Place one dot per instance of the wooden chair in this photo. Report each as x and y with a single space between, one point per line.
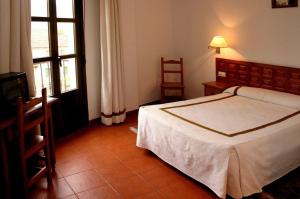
165 85
31 117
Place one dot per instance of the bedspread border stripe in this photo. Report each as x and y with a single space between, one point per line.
220 132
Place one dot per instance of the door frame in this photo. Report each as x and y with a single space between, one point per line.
80 51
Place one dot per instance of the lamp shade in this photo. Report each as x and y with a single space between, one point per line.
218 42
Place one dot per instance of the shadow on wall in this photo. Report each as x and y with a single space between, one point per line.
203 68
198 69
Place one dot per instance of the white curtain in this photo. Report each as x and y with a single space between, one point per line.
15 39
112 80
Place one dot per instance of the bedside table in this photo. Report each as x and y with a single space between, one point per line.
212 88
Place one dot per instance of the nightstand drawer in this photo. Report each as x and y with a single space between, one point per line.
212 91
213 88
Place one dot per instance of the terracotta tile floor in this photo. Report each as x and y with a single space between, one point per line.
103 162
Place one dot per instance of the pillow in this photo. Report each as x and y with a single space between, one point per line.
230 89
250 92
275 97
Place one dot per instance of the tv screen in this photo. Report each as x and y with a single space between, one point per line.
12 86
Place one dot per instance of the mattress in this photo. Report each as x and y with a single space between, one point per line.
235 142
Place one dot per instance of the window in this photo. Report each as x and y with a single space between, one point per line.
59 57
53 37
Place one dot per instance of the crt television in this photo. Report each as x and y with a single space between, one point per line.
12 86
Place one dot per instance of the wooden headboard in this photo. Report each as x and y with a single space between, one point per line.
242 73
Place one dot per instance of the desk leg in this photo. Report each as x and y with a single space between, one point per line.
4 159
52 142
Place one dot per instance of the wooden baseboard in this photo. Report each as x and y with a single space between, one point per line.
167 100
97 121
133 112
152 103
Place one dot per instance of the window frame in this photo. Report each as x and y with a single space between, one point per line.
54 58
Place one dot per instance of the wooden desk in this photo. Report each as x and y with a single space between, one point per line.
7 135
5 130
4 124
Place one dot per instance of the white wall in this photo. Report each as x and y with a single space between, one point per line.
146 35
129 52
254 31
4 36
154 38
92 47
176 28
146 29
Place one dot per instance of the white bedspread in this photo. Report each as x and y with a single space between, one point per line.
228 163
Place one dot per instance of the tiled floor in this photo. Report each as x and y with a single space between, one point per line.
103 162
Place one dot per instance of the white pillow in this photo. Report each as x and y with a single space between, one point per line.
230 89
275 97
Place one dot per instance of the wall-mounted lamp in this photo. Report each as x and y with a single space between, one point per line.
218 42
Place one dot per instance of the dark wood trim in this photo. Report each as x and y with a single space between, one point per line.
113 114
215 84
213 88
152 103
68 56
273 77
172 71
274 5
7 135
133 112
43 59
165 85
54 48
62 20
41 19
81 91
69 20
95 122
79 17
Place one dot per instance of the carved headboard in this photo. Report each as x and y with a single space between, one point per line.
272 77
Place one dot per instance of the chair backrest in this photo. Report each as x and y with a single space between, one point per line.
171 62
35 108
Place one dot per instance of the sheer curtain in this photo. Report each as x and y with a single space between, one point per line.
112 80
15 39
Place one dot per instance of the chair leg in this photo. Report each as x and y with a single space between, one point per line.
48 163
24 178
51 142
162 95
47 152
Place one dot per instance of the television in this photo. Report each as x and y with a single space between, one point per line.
12 86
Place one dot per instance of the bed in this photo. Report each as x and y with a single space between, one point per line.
235 142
